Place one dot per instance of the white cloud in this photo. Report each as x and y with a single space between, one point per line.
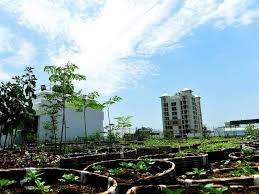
5 39
112 41
23 56
4 76
16 52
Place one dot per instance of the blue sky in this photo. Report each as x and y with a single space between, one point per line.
141 49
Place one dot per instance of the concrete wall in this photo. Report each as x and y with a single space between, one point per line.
74 123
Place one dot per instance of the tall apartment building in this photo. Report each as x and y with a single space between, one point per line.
181 113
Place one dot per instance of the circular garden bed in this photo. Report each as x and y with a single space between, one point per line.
135 172
54 181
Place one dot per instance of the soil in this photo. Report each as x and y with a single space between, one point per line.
212 175
130 176
58 189
20 159
243 190
232 164
193 190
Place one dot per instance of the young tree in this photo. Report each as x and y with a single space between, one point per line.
123 122
62 78
108 104
51 108
82 102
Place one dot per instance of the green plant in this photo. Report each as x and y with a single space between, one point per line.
127 164
6 182
248 153
39 186
198 172
245 163
226 163
140 166
169 191
211 189
108 104
62 78
98 168
82 102
31 177
243 171
16 107
69 177
123 122
235 173
115 171
149 161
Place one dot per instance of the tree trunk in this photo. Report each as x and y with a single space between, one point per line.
62 128
86 135
5 140
0 136
110 132
14 137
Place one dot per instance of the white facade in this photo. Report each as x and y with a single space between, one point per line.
74 121
181 113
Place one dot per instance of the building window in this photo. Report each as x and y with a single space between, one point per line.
174 108
174 118
165 104
173 104
174 113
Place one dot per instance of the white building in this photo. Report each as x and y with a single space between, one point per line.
74 121
181 113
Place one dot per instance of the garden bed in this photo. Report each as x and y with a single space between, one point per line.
80 162
233 164
23 158
135 172
242 176
194 189
185 163
56 181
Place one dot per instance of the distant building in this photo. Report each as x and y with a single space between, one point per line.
243 123
181 113
74 120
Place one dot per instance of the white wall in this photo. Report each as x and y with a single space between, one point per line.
74 123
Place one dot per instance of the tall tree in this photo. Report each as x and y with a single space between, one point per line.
16 109
62 78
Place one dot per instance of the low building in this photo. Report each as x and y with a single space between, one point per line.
74 121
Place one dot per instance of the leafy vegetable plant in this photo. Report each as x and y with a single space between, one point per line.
211 189
6 182
244 171
198 172
226 163
98 168
169 191
245 163
39 186
115 171
31 177
69 178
